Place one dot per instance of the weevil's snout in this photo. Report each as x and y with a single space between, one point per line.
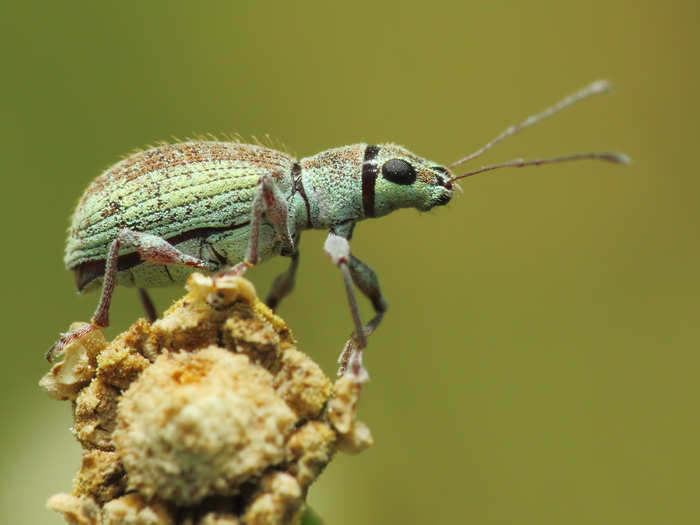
443 181
443 177
444 198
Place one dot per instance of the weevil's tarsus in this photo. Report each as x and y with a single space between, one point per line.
148 308
67 338
599 86
357 369
350 362
618 158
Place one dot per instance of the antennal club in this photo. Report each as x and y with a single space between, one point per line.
599 86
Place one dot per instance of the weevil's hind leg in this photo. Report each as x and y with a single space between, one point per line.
151 248
269 199
283 284
148 308
355 271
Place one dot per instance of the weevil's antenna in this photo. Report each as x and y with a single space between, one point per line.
619 158
599 86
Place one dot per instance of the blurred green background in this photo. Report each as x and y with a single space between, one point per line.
539 360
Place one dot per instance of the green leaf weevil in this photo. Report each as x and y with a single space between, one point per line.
222 207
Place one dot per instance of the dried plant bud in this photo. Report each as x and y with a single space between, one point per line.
216 518
279 501
358 439
200 424
210 416
128 355
67 378
94 415
310 449
302 384
75 509
341 409
101 476
133 509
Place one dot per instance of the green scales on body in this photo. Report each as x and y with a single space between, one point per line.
221 207
197 196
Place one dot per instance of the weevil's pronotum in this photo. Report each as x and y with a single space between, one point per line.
222 207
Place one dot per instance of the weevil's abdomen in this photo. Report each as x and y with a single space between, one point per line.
182 192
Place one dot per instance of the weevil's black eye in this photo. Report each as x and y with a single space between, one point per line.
399 171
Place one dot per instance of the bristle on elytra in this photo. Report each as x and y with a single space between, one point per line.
267 141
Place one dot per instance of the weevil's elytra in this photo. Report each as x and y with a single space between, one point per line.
156 216
171 190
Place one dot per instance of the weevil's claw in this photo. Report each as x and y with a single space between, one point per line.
67 338
356 369
350 361
235 271
345 354
344 357
51 352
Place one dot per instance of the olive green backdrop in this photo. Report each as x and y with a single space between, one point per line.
539 360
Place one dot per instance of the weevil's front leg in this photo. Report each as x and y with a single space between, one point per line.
355 271
151 248
268 198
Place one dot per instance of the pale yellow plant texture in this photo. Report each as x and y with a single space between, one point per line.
209 415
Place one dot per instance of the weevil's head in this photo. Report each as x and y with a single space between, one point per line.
405 180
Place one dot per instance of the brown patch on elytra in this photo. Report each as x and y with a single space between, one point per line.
111 209
173 155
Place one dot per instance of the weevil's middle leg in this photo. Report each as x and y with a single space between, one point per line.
151 248
269 199
355 271
148 308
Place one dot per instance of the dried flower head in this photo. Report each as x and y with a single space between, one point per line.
209 416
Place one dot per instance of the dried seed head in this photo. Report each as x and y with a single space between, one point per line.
210 415
200 424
